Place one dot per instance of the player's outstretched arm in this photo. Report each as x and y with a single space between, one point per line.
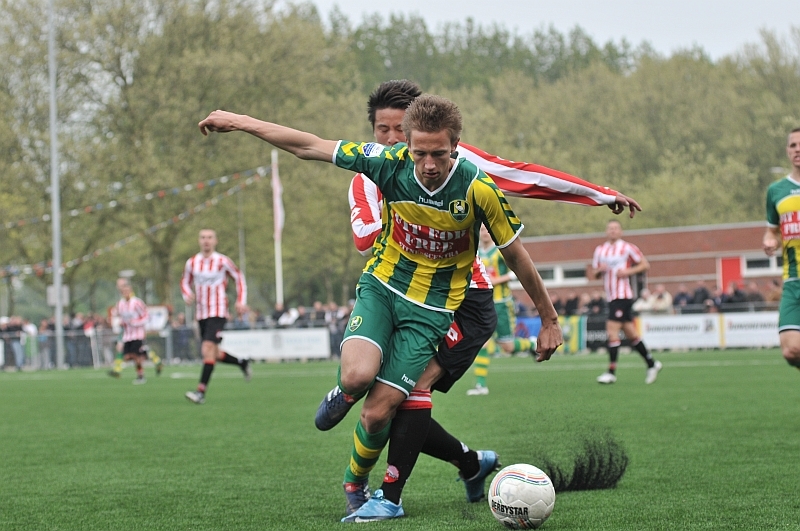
299 143
518 259
622 202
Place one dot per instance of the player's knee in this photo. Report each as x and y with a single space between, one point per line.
374 418
791 353
356 379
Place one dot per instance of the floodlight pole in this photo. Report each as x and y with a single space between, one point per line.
55 188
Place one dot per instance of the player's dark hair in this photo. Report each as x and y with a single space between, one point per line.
394 94
795 130
431 114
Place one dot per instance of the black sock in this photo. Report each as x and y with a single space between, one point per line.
441 445
230 359
205 376
408 432
613 356
641 349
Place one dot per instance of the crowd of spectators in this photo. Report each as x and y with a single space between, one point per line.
737 297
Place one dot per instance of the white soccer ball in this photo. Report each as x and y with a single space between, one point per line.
521 497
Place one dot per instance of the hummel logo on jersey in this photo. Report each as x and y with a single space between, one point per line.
459 209
372 149
408 380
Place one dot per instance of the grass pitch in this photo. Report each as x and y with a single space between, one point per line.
713 444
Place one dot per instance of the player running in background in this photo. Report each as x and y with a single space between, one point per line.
433 207
413 430
616 261
132 312
501 276
204 280
783 219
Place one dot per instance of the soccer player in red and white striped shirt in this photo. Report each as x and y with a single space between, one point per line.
132 312
204 282
616 261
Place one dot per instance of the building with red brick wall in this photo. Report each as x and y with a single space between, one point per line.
713 254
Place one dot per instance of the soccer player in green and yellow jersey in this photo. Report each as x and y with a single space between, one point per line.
501 276
783 226
434 205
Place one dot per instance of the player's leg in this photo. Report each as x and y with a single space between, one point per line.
653 366
116 372
210 330
613 328
155 358
367 334
140 357
789 323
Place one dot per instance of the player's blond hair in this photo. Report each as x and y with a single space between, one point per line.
431 114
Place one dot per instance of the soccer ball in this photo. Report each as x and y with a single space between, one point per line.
521 497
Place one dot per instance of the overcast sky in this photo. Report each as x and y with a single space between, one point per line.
719 27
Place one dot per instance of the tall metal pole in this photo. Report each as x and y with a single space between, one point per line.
55 188
277 209
242 261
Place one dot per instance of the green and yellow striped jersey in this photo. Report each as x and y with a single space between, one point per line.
496 266
429 239
783 210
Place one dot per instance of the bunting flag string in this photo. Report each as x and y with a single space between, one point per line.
47 267
160 194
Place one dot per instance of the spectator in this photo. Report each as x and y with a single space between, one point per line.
583 304
598 303
753 294
571 306
558 304
644 304
317 314
278 313
701 293
775 291
682 298
733 299
303 319
662 300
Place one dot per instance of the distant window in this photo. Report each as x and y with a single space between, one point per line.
758 263
574 273
759 266
547 274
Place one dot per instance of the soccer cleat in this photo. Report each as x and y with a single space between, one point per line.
140 380
196 396
376 509
114 374
652 373
247 370
478 390
488 462
356 494
606 378
333 409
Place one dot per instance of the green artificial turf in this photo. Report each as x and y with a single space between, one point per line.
713 444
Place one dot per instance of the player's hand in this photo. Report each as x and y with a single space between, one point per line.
622 202
549 340
219 122
242 309
189 299
770 244
623 273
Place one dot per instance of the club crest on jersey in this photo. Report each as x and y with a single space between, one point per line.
355 322
459 209
371 149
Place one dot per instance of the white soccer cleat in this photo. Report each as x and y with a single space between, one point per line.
606 378
652 374
196 396
478 390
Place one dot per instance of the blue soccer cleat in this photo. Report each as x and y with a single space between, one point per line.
357 494
488 461
333 409
377 508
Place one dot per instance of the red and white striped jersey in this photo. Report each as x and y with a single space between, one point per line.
616 256
366 202
133 317
207 278
514 178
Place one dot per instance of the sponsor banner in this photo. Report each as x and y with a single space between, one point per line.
757 329
280 344
573 330
157 318
528 327
595 335
666 332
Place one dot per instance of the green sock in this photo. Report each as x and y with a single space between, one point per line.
482 361
522 345
118 362
367 448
